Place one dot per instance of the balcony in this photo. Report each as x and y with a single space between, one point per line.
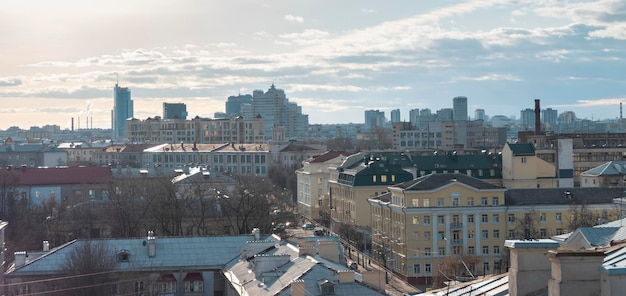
456 225
457 242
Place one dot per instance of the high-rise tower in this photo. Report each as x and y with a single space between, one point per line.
174 111
459 108
122 110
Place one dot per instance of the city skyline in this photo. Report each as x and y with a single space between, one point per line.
60 60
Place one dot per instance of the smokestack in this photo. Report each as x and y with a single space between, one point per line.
72 123
537 118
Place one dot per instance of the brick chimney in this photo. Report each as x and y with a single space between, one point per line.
530 267
537 118
575 272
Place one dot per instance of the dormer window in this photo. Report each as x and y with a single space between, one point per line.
326 287
123 256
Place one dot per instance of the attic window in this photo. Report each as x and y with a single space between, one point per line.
327 287
123 256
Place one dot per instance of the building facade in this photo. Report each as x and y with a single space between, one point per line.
174 111
276 110
420 224
122 110
459 106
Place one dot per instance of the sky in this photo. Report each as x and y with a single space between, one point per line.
61 59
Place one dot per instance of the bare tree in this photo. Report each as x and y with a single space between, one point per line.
89 266
527 227
128 206
166 209
248 202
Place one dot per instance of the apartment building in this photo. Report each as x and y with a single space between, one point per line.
360 177
82 153
419 223
196 130
313 185
447 135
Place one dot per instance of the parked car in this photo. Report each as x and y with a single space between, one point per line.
308 226
352 265
318 232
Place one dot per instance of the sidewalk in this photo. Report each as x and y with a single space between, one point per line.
395 285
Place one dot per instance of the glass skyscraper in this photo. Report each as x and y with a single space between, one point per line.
122 110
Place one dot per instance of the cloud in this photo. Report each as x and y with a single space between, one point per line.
294 19
10 81
592 103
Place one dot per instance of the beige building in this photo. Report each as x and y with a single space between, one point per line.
360 177
521 168
313 185
610 174
424 222
196 130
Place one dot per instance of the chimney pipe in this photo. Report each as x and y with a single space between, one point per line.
537 118
151 244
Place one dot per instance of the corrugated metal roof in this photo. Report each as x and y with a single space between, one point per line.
171 253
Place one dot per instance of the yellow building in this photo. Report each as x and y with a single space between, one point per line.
451 225
521 168
313 183
360 177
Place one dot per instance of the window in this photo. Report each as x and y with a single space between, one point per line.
441 220
484 218
511 218
559 217
470 234
471 251
495 201
427 252
542 217
417 269
486 267
442 251
559 231
470 201
416 220
496 250
167 287
427 268
383 178
328 288
139 287
496 233
470 218
485 250
416 235
542 233
194 286
455 201
485 234
483 201
426 202
427 235
415 202
495 218
441 235
511 233
427 219
440 201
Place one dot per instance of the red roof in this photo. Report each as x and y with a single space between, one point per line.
63 175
